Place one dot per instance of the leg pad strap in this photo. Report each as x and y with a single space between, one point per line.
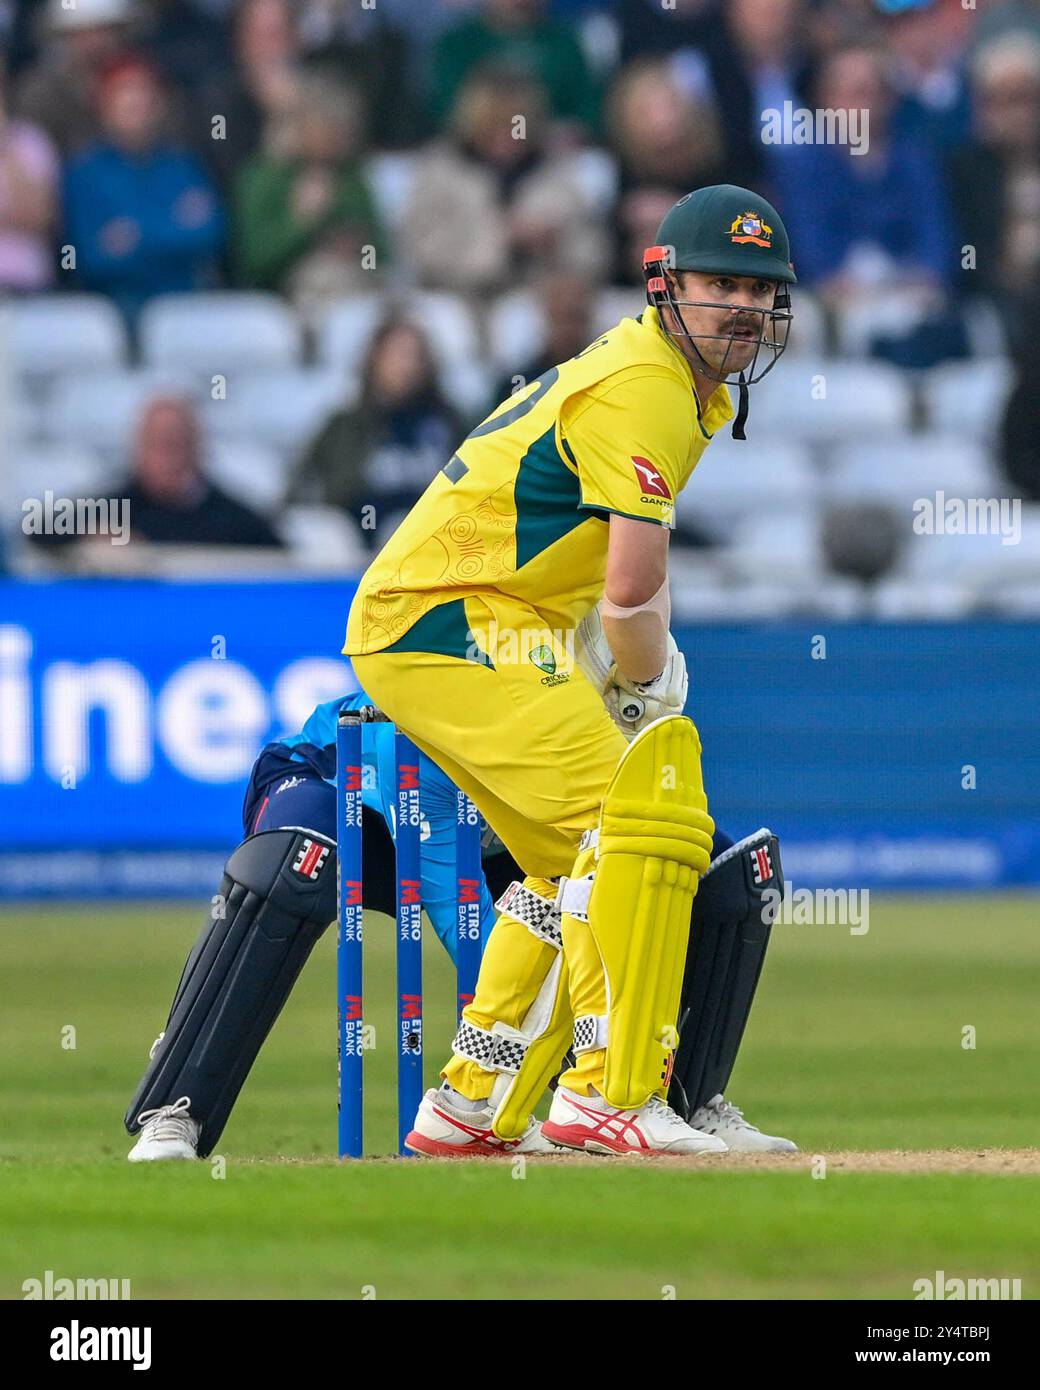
590 1032
490 1050
541 916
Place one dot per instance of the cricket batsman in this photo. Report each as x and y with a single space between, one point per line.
555 509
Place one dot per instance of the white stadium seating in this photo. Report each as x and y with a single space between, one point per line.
968 396
66 470
747 478
282 409
905 468
101 409
820 401
223 332
61 333
322 539
248 470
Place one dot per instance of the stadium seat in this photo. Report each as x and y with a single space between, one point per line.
596 175
20 415
898 599
1018 600
347 330
808 328
390 176
736 478
224 332
905 468
248 470
59 333
819 401
882 313
968 396
66 470
516 329
349 325
774 542
101 409
323 539
983 561
611 305
283 409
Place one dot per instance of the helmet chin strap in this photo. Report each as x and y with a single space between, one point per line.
715 374
742 408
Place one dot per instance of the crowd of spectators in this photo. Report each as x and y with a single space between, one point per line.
324 149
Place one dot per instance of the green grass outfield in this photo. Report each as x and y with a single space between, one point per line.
854 1050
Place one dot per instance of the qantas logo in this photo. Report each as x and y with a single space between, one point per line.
648 478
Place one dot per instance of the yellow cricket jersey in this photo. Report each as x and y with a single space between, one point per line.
522 509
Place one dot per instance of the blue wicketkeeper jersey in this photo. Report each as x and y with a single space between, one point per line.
379 778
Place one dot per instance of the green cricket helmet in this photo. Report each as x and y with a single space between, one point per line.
725 230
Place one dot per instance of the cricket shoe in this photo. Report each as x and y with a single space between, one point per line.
593 1125
446 1130
168 1132
726 1122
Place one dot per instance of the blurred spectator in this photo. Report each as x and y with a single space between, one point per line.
1020 432
141 213
58 91
373 460
186 43
29 179
259 87
661 133
1019 16
639 214
681 30
567 304
738 57
490 203
874 220
307 223
996 178
168 498
519 34
668 141
927 46
172 501
361 45
760 61
861 540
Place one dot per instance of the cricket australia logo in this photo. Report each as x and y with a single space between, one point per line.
545 659
310 859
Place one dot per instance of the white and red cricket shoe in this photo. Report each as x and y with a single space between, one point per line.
593 1125
446 1130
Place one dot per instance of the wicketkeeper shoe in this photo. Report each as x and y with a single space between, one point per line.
444 1130
594 1125
725 1121
168 1132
